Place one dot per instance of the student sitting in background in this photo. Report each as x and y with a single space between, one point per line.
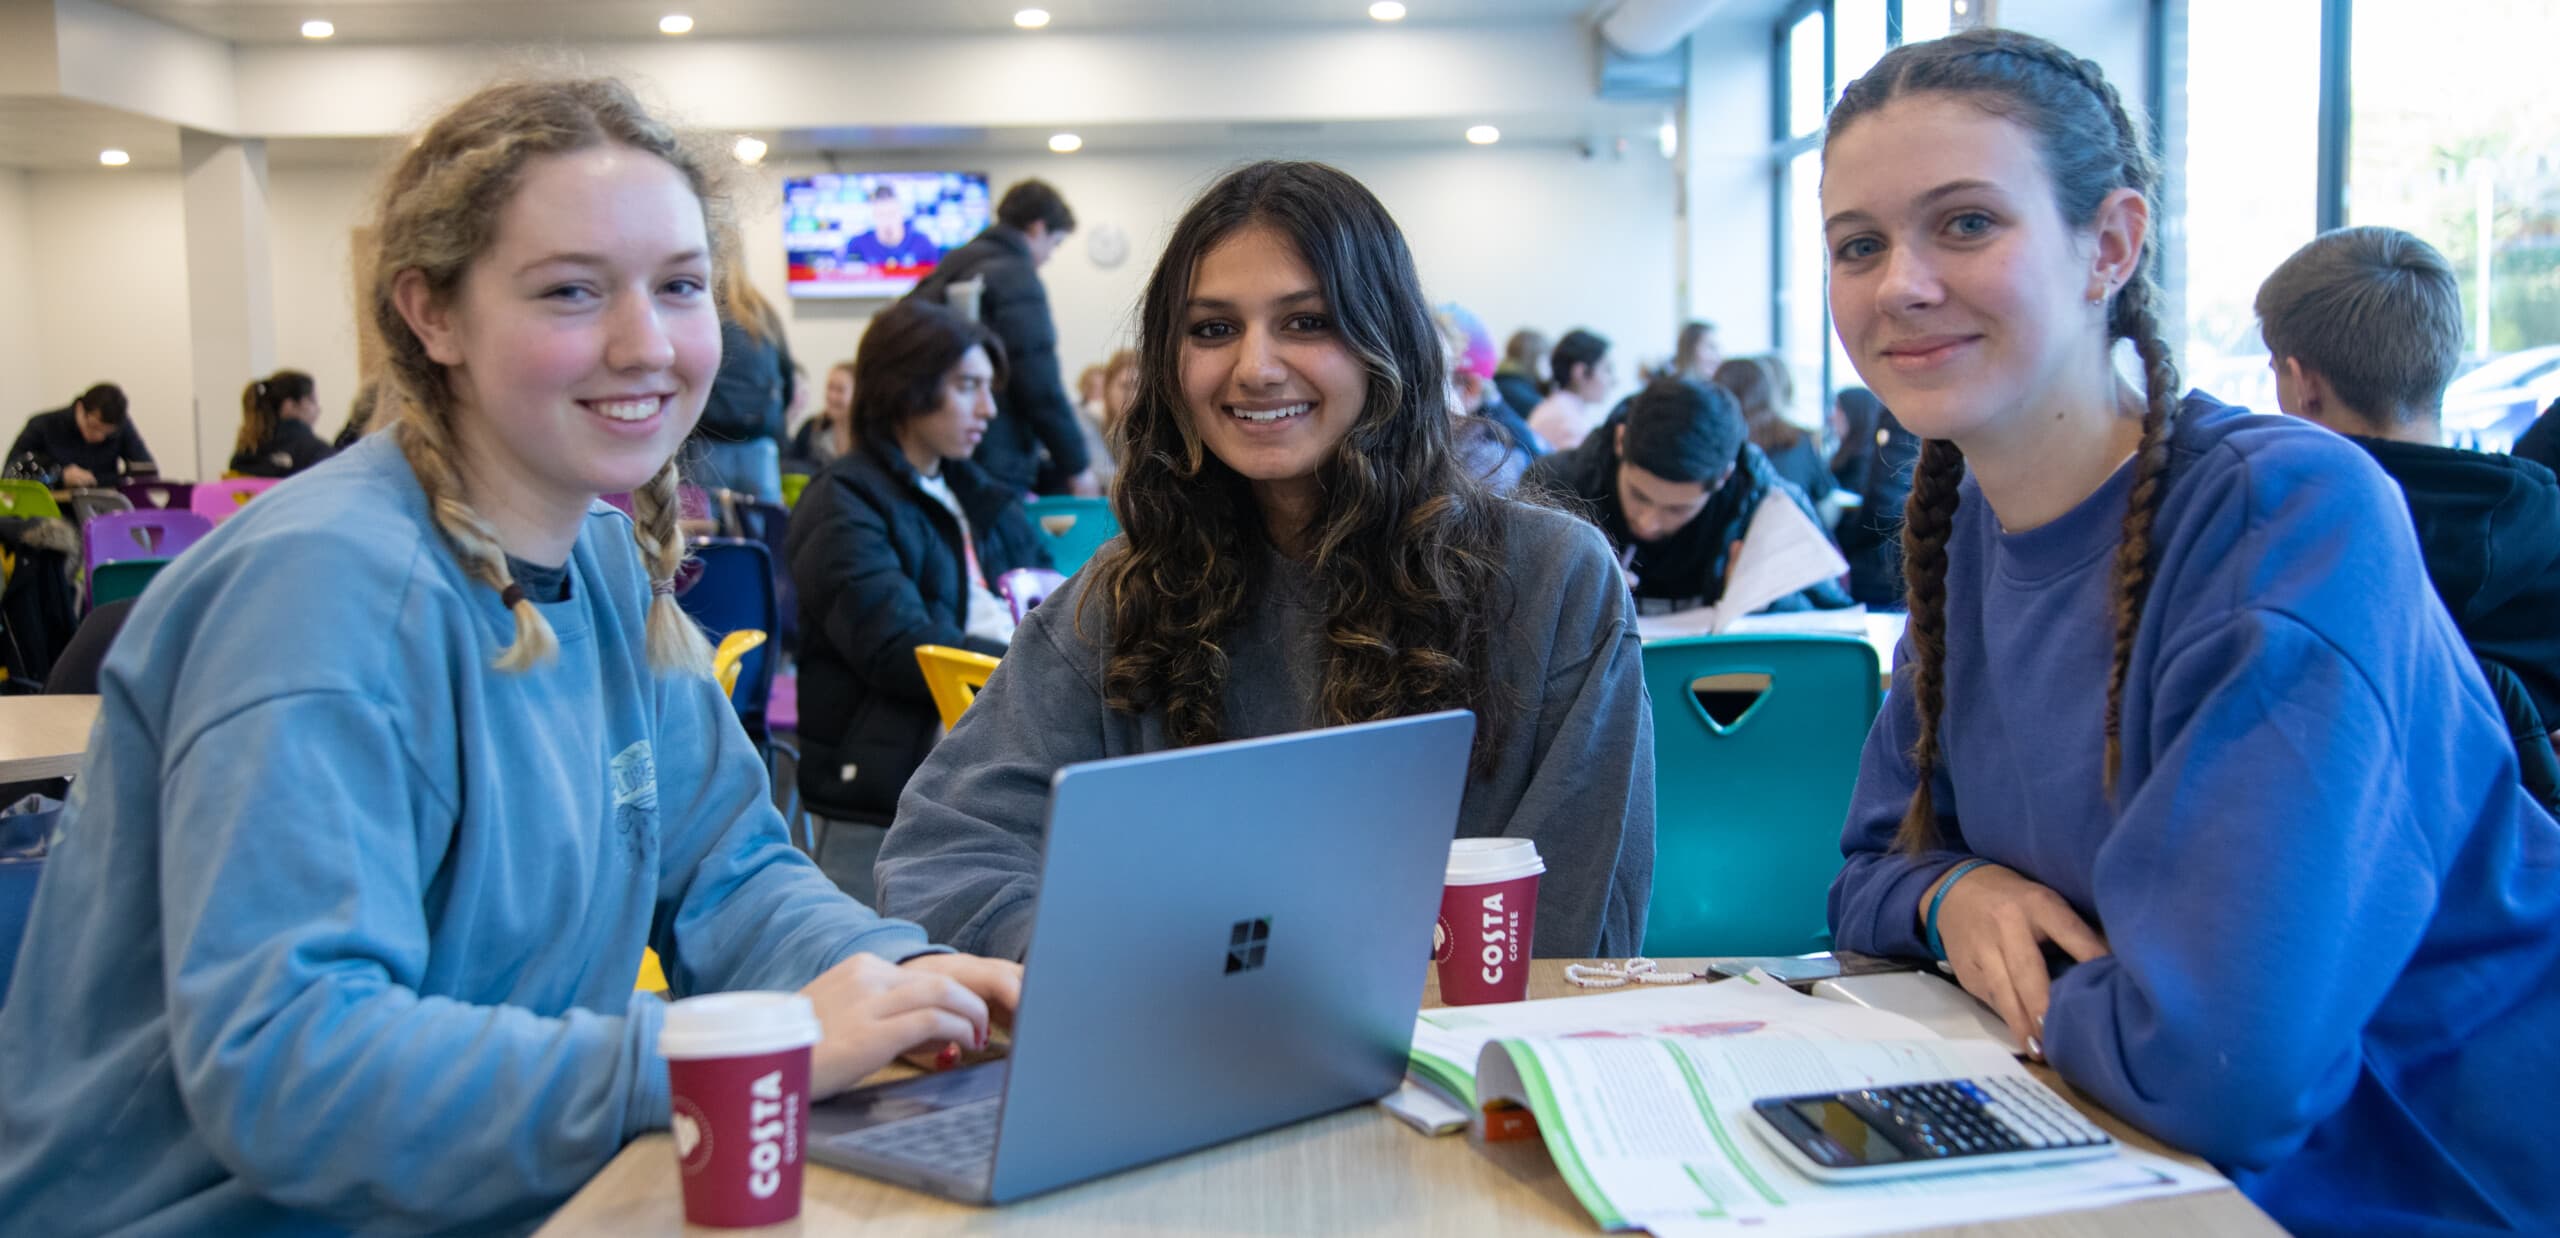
276 439
341 929
1303 548
1674 483
1573 407
899 544
1881 458
90 443
2173 698
2364 328
828 433
1764 389
1522 376
1472 371
1698 354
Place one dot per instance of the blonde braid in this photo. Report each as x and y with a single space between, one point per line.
423 438
675 642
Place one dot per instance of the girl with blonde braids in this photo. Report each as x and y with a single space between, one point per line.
341 929
2176 708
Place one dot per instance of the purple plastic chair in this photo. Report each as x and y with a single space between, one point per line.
113 537
159 495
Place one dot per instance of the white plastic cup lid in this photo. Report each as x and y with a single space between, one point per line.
1479 861
737 1025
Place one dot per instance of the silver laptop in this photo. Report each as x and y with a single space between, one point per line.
1229 938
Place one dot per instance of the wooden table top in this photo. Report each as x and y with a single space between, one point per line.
44 736
1355 1172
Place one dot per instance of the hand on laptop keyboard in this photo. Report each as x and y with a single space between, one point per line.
871 1010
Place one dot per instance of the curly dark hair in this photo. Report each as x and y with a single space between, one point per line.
1406 547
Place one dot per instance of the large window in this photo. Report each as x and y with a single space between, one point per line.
2434 121
1822 45
2454 136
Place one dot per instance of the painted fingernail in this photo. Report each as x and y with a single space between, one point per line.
2035 1046
949 1057
2039 1025
982 1040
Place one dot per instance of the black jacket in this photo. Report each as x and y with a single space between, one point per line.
1685 570
1032 409
1870 534
1519 391
878 565
2540 441
55 441
2489 526
293 448
751 394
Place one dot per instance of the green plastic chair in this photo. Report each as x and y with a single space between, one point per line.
1756 746
1081 526
114 582
792 485
26 499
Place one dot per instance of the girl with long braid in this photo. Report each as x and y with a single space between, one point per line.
400 769
2176 708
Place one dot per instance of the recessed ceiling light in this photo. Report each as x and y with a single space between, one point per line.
1483 135
749 150
675 23
1031 19
114 158
317 30
1387 10
1066 143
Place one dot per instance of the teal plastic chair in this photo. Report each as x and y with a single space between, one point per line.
114 582
1082 526
1756 745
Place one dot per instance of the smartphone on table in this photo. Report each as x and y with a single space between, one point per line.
1948 1126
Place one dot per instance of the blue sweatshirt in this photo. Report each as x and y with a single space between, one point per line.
2335 916
340 926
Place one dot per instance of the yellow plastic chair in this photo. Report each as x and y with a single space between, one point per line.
731 655
792 485
653 978
954 677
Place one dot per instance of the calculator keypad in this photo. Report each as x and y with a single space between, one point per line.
1963 1117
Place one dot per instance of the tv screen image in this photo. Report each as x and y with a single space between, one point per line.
874 234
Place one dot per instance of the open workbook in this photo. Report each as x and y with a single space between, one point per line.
1642 1100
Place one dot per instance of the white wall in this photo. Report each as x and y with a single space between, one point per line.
312 214
1728 184
21 391
110 297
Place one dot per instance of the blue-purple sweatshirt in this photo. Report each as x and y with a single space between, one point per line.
2335 916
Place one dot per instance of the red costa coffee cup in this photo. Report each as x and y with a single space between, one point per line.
738 1065
1488 917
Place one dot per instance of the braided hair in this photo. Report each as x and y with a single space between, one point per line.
2091 147
439 212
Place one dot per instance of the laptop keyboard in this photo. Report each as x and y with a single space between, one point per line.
960 1140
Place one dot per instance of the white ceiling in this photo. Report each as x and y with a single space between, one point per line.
473 21
54 134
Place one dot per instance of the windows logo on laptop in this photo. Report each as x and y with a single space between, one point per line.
1245 945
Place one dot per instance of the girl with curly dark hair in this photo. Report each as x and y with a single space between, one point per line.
1303 547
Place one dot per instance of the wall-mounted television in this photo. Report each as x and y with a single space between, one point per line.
874 234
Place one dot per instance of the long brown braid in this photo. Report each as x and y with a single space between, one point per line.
438 213
2090 147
